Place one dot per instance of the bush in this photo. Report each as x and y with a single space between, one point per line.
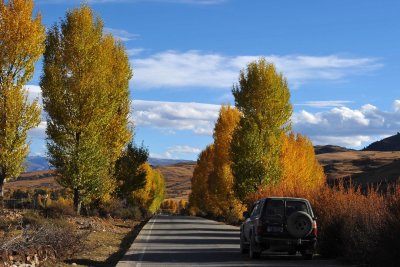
116 209
53 240
59 208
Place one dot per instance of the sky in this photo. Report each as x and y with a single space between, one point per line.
341 59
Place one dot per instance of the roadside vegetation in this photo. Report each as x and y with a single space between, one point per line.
108 185
255 154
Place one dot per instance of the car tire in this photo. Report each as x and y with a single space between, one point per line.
299 224
253 252
243 247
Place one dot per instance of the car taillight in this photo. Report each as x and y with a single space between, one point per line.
314 228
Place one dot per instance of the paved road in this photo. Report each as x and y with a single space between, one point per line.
192 241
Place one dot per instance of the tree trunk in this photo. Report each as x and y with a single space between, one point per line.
1 186
77 201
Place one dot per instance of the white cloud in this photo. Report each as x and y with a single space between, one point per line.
177 152
121 34
196 68
134 51
184 150
196 117
325 104
34 92
347 127
39 132
396 105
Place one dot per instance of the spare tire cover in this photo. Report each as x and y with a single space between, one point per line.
299 224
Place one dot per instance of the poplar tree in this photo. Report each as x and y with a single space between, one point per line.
263 98
21 45
85 86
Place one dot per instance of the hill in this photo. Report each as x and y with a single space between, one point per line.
362 166
330 149
391 143
40 163
177 178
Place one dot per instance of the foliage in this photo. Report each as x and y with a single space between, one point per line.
151 196
129 174
199 197
85 82
216 196
300 167
263 98
21 45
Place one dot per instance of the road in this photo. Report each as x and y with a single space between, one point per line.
191 241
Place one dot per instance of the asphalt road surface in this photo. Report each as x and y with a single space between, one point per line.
191 241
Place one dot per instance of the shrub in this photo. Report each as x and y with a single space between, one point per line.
53 240
59 208
116 209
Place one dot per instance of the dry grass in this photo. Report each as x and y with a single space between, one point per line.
362 166
105 242
361 227
178 180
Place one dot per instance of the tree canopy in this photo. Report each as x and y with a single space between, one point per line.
263 98
21 45
85 84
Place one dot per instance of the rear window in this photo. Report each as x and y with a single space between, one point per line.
293 206
274 208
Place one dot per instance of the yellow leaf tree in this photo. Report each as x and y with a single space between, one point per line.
199 197
21 45
301 171
220 181
85 86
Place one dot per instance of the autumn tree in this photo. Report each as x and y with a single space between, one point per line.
130 176
220 181
263 98
198 198
21 45
85 84
150 197
301 170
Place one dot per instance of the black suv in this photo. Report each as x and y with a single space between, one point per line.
279 224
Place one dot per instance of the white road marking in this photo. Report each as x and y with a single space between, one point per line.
145 245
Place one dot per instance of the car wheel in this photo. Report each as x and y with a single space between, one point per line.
243 247
254 253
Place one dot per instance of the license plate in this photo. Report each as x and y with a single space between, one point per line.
274 229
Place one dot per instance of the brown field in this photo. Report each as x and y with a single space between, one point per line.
362 166
177 179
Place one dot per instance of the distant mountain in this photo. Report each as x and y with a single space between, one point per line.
36 163
330 149
40 163
163 162
391 143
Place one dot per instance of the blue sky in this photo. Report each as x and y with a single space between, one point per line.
341 59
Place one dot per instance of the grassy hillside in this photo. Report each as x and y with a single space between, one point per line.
362 166
177 178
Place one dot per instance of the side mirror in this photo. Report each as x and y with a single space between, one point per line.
246 214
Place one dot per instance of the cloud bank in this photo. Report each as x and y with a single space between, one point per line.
213 70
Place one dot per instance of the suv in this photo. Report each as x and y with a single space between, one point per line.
279 224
